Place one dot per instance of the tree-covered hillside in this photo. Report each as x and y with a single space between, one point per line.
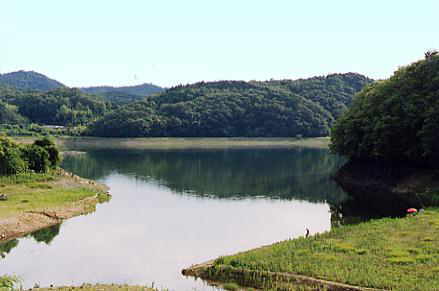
236 108
29 81
57 107
125 94
395 119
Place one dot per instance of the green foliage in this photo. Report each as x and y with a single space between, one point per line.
33 129
232 108
11 162
38 157
47 234
59 107
51 148
121 95
7 283
9 114
396 119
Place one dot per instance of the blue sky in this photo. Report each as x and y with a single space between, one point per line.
97 42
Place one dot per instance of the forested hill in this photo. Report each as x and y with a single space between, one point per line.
138 90
63 106
395 119
306 107
29 81
122 95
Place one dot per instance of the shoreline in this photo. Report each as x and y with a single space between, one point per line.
203 270
367 256
75 143
31 220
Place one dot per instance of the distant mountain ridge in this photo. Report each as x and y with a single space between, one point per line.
125 94
29 81
33 81
142 90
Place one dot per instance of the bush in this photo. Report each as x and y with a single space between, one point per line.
50 146
11 162
37 158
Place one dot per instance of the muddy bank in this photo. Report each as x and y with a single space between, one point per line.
388 188
31 220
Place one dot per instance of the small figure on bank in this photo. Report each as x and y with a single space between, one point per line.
307 232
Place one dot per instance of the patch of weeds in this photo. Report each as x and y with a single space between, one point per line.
231 286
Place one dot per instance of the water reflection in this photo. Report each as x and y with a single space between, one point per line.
5 248
171 209
296 173
45 235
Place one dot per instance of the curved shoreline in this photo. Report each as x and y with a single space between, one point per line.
23 223
200 271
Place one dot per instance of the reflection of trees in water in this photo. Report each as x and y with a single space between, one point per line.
5 248
45 235
234 173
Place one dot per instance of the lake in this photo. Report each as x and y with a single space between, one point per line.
174 208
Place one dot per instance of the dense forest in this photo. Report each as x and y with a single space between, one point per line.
396 119
286 108
64 106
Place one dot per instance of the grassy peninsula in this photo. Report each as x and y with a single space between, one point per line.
390 253
35 193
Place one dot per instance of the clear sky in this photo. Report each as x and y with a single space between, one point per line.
170 42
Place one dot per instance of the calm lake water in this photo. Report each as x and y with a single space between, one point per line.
171 209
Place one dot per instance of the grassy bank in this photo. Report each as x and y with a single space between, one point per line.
395 254
40 200
180 143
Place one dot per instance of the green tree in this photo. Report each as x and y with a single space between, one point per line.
395 119
37 158
49 145
11 162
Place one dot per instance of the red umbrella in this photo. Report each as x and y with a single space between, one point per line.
412 210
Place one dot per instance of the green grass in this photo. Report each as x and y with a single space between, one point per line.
396 254
28 192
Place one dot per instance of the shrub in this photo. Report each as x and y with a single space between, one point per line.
37 158
11 162
52 150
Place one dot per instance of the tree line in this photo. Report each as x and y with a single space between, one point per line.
284 108
235 108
